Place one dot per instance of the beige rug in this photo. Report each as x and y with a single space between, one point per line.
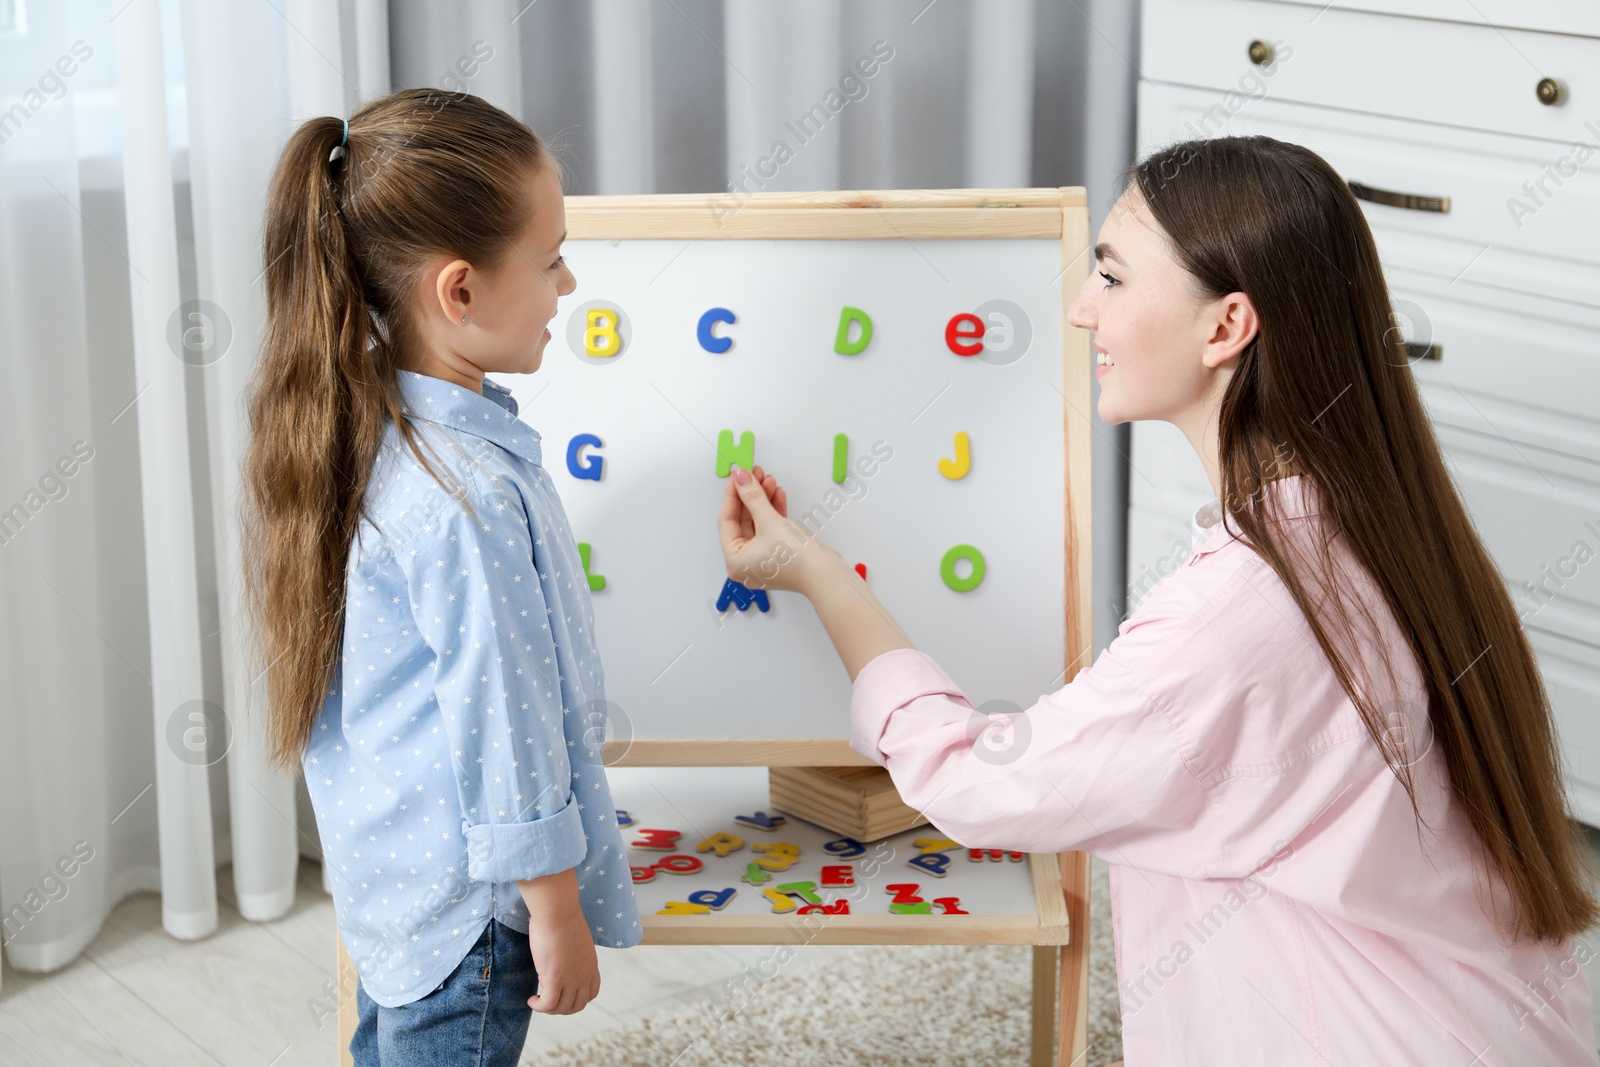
942 1004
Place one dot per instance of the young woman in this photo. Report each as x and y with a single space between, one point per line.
1319 756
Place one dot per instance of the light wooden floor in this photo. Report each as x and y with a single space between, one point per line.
247 996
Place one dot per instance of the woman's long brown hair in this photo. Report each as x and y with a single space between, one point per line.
1326 382
423 173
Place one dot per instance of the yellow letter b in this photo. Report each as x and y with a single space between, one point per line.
600 338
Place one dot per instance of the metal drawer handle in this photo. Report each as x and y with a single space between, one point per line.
1409 201
1550 91
1415 351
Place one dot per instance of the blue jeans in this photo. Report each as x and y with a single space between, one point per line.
478 1017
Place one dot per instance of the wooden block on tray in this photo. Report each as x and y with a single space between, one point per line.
859 802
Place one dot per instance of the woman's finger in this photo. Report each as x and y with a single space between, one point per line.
729 519
770 484
747 521
752 493
761 479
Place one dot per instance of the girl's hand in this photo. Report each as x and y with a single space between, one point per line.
762 548
564 957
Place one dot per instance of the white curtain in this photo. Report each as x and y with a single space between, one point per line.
136 142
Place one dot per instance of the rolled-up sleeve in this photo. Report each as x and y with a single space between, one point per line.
1093 766
477 601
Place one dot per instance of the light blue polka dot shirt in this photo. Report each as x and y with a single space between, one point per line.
459 748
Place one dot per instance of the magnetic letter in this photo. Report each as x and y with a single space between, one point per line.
709 341
934 844
837 875
776 857
659 840
844 848
727 455
947 568
978 855
600 338
683 907
966 341
722 843
679 864
904 892
806 891
963 461
841 342
715 899
597 582
735 592
585 466
838 907
841 453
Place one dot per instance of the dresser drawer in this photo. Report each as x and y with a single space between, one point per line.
1571 672
1553 16
1509 365
1539 516
1481 77
1552 250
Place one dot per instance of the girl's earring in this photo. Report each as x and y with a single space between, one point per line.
463 320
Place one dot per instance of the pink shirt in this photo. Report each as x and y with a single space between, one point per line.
1273 899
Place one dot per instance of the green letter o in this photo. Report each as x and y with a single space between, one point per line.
947 568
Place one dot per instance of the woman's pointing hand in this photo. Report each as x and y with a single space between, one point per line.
762 548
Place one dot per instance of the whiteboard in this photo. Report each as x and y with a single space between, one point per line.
677 668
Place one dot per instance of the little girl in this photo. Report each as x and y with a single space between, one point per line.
1312 861
422 611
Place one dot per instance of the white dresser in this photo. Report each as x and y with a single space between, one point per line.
1475 148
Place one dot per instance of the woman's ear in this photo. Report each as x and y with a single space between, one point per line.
1234 325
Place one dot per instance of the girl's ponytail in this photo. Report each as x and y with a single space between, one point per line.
422 173
309 267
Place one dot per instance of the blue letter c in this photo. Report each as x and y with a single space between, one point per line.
708 341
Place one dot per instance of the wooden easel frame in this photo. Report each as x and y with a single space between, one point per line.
1061 883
